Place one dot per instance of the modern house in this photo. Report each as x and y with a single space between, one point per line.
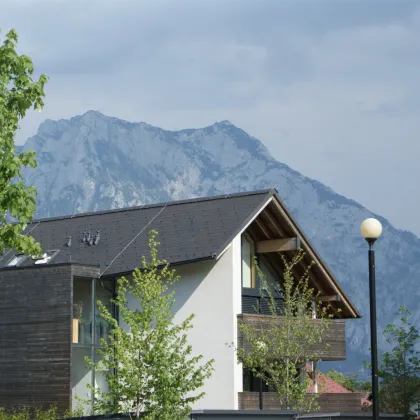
48 320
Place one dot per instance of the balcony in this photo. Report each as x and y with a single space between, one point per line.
332 348
331 402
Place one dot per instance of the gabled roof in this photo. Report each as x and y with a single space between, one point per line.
188 230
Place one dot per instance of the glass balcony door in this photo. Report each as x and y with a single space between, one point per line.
88 330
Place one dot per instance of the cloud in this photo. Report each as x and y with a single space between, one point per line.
331 87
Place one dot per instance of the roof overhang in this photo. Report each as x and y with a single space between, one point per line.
285 235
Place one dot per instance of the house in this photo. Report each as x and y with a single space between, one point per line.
48 304
333 396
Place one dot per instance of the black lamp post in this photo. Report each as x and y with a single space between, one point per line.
263 349
371 230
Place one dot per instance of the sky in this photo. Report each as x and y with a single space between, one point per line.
331 87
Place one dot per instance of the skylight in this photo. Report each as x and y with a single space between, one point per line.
46 257
16 260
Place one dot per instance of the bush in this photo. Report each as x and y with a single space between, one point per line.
37 414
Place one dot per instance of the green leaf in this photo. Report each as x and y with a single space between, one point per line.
157 371
18 93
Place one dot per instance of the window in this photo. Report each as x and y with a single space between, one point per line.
46 257
248 274
251 383
88 327
270 276
16 260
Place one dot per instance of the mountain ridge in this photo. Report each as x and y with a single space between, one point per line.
93 162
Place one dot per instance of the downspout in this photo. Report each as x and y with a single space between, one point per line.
93 339
314 370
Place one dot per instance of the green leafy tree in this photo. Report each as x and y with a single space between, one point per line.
147 361
399 369
18 93
289 337
351 382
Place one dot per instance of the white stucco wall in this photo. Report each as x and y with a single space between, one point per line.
212 291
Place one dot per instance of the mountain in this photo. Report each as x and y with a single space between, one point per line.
93 162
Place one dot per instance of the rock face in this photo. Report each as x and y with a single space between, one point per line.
93 162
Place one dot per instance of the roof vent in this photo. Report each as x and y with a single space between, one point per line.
68 243
97 238
90 239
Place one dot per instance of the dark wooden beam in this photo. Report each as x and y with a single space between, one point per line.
262 228
277 227
278 245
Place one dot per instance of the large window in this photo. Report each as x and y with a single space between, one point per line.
254 299
248 269
88 329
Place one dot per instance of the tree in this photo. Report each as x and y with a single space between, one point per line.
278 351
147 361
18 93
399 369
351 382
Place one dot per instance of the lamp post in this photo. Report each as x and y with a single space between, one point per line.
262 347
371 230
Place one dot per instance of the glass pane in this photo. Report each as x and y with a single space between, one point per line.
104 292
270 278
246 263
82 311
100 378
247 378
80 377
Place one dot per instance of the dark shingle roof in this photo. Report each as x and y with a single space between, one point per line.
188 231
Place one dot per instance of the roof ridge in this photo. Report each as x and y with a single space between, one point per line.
157 205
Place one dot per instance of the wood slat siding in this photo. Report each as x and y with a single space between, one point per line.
35 335
346 402
335 336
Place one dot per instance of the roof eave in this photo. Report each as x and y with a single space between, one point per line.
324 267
268 196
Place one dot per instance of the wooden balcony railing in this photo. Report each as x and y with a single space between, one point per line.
331 402
332 348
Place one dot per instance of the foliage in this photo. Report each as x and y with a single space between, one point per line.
18 93
77 309
351 382
149 365
38 414
399 369
278 352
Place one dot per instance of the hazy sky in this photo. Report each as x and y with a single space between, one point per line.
331 87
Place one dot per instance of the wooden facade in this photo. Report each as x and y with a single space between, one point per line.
35 335
328 402
332 348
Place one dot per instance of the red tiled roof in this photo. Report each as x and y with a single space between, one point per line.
327 385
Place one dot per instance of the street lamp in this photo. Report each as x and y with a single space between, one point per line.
371 230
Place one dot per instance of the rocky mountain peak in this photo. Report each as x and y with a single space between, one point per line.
93 162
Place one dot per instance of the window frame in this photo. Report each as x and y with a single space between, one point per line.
53 252
247 238
20 258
